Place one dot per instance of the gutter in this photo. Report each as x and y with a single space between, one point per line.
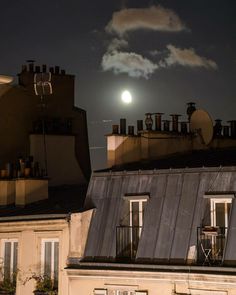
35 217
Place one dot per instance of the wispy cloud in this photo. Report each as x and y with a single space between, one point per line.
155 18
188 58
117 44
133 64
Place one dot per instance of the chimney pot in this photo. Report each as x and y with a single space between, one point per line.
139 125
158 121
57 70
131 130
175 122
44 68
123 126
115 129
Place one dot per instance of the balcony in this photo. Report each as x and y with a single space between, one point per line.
127 239
211 245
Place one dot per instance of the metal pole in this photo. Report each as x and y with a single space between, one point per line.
44 136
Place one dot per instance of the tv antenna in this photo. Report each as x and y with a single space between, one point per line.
43 87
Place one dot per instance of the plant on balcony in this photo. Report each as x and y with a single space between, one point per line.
44 285
8 286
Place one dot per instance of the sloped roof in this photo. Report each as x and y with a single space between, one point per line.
175 209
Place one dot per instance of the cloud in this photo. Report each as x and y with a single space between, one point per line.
187 57
117 44
135 65
155 52
155 18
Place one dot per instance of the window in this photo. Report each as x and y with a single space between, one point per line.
137 208
9 254
220 211
49 258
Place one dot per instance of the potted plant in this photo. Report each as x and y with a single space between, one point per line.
7 287
44 285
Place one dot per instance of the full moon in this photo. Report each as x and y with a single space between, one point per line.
126 96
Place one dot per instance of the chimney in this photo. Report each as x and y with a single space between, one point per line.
226 131
31 65
148 121
57 70
233 128
131 130
218 127
190 109
44 68
158 121
175 122
51 70
115 129
37 69
63 72
30 191
166 125
184 127
139 125
123 126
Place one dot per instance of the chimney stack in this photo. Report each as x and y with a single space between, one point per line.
233 128
226 131
139 125
190 109
123 126
184 127
44 68
131 130
166 125
57 70
148 121
175 122
115 129
158 121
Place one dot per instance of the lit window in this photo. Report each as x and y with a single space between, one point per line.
49 258
9 254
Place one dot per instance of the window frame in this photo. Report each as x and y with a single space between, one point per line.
43 242
140 210
3 246
213 202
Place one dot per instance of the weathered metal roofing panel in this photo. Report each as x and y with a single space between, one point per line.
168 217
153 213
184 220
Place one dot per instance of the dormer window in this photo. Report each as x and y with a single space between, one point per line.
129 232
220 211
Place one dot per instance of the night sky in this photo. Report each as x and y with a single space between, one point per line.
166 53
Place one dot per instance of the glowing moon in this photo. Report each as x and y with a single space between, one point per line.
126 97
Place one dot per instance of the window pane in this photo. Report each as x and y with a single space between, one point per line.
56 257
7 260
220 214
47 258
135 213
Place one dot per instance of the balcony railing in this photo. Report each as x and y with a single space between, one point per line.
127 239
211 245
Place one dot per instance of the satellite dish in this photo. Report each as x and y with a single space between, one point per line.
5 79
201 122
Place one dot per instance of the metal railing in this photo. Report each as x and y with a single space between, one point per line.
127 239
211 245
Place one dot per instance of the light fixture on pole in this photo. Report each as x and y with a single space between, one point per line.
43 87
